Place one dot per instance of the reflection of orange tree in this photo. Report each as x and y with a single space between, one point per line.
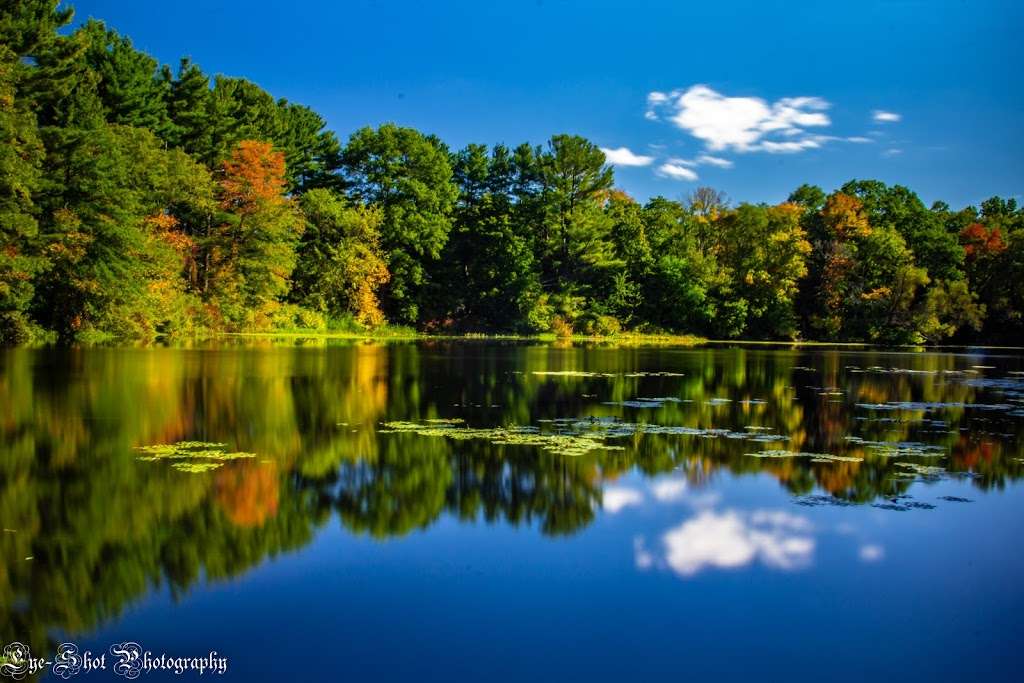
987 456
248 492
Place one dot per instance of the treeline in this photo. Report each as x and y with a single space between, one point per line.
137 200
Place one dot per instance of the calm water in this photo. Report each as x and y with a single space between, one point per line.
442 511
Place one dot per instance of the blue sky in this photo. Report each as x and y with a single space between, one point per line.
753 98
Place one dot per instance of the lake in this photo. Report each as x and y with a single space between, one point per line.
439 510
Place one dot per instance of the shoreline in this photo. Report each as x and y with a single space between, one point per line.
621 340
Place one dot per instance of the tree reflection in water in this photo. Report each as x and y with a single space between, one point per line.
103 528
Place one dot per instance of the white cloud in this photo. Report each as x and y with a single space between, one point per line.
642 557
676 171
790 146
859 139
892 152
882 116
668 490
871 553
714 161
742 124
616 498
655 98
733 539
780 519
623 156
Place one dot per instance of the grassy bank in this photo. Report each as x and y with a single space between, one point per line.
624 339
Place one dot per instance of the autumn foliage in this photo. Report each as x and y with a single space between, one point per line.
254 177
979 241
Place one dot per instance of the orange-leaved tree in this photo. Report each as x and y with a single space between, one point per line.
254 245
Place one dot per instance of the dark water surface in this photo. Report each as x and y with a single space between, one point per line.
485 511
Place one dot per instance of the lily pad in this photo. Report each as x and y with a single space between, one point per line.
199 456
815 457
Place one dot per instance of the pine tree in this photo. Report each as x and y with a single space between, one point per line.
131 87
21 155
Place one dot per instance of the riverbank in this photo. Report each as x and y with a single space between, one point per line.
408 335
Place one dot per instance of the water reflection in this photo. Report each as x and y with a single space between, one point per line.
733 538
88 528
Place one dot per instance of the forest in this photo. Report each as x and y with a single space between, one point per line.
140 202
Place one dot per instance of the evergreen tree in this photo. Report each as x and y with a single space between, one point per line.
131 87
485 279
21 155
187 106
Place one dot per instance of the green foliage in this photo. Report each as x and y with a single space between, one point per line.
486 279
765 250
108 264
253 246
21 155
130 86
340 263
574 245
408 175
936 250
948 308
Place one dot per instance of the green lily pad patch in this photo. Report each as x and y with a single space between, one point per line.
815 457
194 457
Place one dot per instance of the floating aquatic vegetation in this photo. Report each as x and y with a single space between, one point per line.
889 449
898 505
570 373
918 405
446 420
561 444
1012 387
666 399
821 501
584 373
929 472
568 436
200 456
956 499
877 369
196 467
642 402
636 403
181 445
769 438
654 374
815 457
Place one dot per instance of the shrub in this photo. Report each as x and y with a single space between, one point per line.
603 326
561 327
